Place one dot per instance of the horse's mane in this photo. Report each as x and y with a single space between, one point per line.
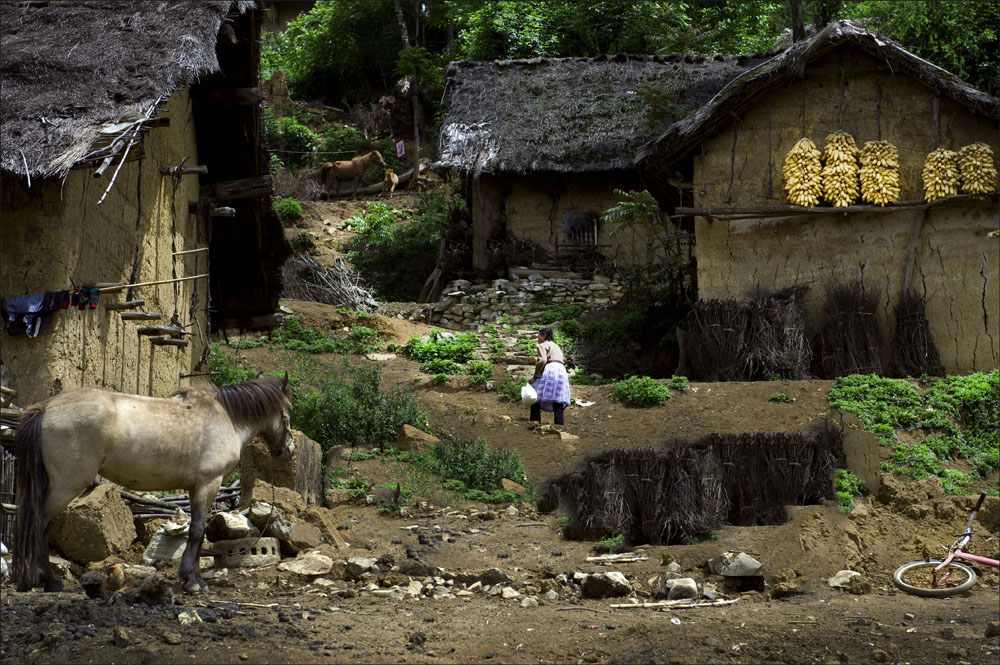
255 400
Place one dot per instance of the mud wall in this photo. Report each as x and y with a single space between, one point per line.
532 208
55 232
952 261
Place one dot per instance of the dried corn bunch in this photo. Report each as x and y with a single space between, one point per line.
975 163
801 173
840 169
879 173
940 174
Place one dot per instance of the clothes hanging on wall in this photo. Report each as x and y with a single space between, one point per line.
31 313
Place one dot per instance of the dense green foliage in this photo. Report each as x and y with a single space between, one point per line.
225 371
381 247
338 411
292 336
640 391
473 463
302 241
958 414
847 486
289 210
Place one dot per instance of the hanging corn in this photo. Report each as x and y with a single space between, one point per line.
801 172
975 164
879 173
940 174
840 169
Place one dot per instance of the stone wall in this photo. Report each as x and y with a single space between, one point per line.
467 306
947 251
55 232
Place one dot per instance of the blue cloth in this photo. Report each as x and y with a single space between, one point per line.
24 315
553 386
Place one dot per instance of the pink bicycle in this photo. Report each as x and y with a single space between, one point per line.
939 578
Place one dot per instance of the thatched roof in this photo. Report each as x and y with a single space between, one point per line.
747 90
567 115
72 72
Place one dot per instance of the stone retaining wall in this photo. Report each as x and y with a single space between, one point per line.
467 306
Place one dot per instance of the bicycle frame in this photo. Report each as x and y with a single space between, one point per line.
956 552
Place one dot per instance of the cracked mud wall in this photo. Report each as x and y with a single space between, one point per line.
953 262
57 232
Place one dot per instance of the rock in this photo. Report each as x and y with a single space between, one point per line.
119 637
163 548
508 485
732 564
851 580
509 592
788 581
94 526
227 526
61 568
323 519
171 637
286 502
358 566
709 591
412 439
511 511
993 629
486 577
308 563
394 593
530 601
682 587
302 474
880 656
605 585
188 617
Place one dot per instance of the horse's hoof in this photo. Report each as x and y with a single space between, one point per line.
193 587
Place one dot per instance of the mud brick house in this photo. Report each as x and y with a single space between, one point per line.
542 144
132 155
730 153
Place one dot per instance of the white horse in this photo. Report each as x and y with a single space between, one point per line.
190 440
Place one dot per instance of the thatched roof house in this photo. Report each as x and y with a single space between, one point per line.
787 69
534 132
751 240
100 102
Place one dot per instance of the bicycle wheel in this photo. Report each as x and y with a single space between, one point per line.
920 578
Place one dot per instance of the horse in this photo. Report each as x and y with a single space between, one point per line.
349 170
391 180
190 440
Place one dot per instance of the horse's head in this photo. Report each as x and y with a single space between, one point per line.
278 432
378 157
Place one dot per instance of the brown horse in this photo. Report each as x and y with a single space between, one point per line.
349 170
190 440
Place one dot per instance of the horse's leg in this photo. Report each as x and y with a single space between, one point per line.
357 181
58 498
202 498
338 187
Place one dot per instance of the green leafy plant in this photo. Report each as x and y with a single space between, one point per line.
640 391
440 346
354 410
302 241
479 372
679 383
612 541
473 463
224 370
781 397
289 210
293 142
495 496
847 486
510 389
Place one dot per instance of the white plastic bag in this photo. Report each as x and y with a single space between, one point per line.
528 394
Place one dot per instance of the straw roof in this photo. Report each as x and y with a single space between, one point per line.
73 73
566 115
748 89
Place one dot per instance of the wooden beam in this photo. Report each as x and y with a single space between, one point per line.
128 304
246 188
141 316
122 287
211 210
161 330
227 97
168 341
182 170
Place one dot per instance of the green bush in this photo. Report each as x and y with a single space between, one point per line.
510 390
225 371
438 346
847 486
781 397
479 372
292 142
496 496
958 413
473 463
302 242
639 391
679 383
289 210
292 336
357 411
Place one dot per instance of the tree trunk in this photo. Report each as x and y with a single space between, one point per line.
418 111
798 27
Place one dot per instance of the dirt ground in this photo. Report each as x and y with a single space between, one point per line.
270 616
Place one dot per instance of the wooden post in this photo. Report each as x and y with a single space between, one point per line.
141 316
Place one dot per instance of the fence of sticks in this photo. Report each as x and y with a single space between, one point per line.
759 339
306 279
673 493
850 336
913 350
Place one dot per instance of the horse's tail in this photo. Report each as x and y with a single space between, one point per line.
32 488
324 173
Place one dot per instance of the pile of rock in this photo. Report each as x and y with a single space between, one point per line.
467 306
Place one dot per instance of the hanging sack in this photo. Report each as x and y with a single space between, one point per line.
528 394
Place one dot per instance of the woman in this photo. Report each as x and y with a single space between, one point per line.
550 380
